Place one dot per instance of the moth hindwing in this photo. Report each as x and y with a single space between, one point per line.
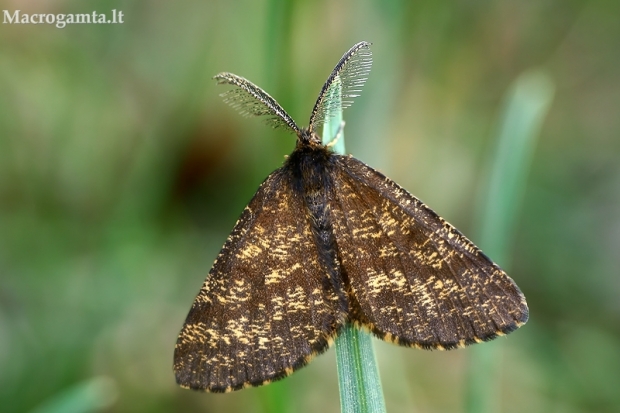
327 240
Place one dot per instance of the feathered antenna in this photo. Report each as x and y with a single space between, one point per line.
250 100
343 85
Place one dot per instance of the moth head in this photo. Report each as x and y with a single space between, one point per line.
306 136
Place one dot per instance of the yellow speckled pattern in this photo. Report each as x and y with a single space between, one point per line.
414 279
263 311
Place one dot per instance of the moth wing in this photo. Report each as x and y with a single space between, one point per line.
265 308
415 279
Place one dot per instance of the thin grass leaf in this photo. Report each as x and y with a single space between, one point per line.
358 373
94 395
526 106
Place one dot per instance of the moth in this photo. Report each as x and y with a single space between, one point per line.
325 241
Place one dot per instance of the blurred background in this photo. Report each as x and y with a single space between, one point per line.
122 173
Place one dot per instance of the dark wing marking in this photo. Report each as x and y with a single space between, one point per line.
414 279
343 84
251 100
262 312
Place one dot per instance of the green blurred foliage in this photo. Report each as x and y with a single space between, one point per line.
122 172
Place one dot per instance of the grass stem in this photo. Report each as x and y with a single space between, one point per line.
358 373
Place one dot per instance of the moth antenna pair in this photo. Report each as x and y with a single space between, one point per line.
342 86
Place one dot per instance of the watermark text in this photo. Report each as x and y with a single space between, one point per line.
61 20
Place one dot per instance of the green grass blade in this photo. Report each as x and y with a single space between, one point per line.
358 373
526 106
332 125
89 396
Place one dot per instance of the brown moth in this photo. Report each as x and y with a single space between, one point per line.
327 240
